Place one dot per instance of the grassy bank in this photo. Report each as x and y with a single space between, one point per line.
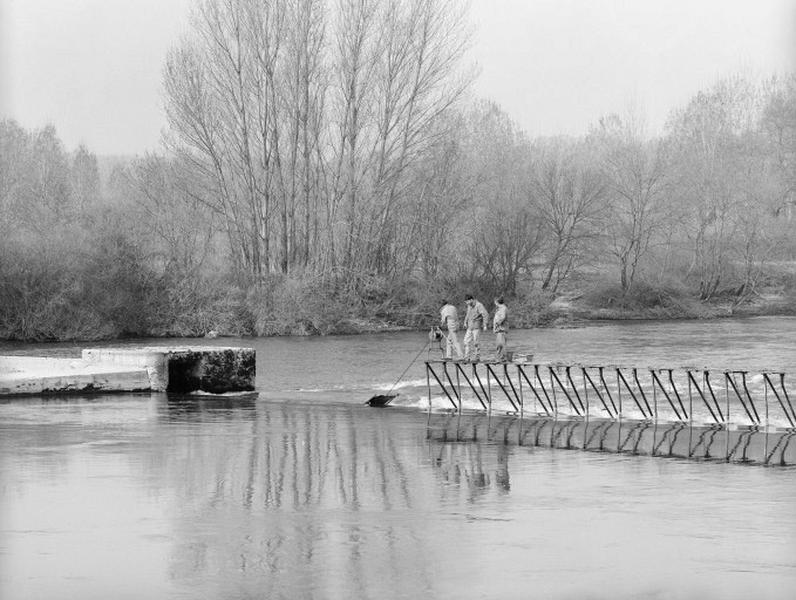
101 288
241 313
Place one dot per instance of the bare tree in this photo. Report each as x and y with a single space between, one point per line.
568 192
307 127
779 126
504 232
635 170
717 149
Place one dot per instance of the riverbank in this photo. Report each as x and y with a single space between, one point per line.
563 311
566 310
570 310
299 308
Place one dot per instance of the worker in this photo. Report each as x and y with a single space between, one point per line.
449 319
500 326
475 320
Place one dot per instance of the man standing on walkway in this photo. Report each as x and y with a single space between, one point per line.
474 321
449 319
500 326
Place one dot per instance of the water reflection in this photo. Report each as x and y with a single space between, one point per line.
246 498
296 490
753 445
181 407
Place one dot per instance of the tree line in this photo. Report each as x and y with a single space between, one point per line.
325 169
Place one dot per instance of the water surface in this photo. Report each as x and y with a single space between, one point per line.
302 492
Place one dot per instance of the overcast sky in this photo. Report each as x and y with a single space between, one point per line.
93 67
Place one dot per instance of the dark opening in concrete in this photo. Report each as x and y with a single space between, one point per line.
213 372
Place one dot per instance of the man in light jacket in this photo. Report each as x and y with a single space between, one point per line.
500 326
474 321
449 319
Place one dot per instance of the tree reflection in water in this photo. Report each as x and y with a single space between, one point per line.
251 498
313 494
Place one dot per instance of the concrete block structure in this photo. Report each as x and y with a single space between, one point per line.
211 369
187 368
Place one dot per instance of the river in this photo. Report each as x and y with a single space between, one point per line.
301 491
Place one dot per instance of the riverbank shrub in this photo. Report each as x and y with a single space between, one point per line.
284 305
643 299
70 287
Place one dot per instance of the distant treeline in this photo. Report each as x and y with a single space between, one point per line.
326 171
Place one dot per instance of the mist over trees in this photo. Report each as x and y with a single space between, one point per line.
326 169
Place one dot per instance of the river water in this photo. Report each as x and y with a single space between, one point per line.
301 491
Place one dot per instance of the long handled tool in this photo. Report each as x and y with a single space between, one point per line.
382 400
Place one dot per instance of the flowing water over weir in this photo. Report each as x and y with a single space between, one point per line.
728 415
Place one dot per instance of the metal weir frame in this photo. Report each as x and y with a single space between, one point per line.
490 381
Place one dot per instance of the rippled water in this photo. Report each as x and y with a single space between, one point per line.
302 492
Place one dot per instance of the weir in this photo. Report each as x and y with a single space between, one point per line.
730 415
181 369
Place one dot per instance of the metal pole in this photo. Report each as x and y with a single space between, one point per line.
765 433
536 396
585 392
729 377
690 403
727 398
450 381
459 388
727 421
568 371
749 397
656 379
677 394
765 398
615 412
588 378
511 384
654 406
648 414
630 391
553 374
502 387
544 390
480 385
691 379
785 393
428 388
706 379
460 370
442 386
768 383
522 401
489 394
